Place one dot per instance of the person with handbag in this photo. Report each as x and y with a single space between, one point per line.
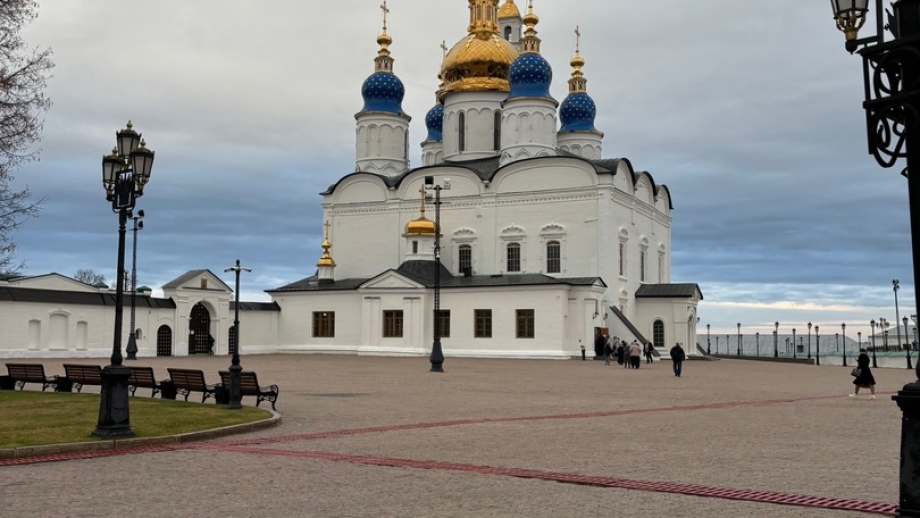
862 375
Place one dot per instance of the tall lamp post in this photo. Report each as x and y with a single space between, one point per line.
125 172
437 355
897 315
776 340
757 343
817 347
843 331
907 337
717 344
793 343
131 349
236 390
787 345
872 342
739 339
809 340
708 343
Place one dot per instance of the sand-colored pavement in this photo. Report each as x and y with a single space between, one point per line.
381 437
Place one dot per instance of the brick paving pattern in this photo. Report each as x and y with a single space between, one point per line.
375 437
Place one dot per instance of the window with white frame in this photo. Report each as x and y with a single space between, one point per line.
465 258
642 254
553 257
513 257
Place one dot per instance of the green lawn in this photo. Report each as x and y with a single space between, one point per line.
31 418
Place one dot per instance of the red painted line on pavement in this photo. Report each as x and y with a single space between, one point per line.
465 422
747 495
97 454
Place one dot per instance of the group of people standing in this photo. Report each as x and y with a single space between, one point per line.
630 355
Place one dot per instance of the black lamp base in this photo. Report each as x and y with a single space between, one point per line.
114 420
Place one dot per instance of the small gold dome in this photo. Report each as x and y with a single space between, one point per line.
509 10
420 227
479 62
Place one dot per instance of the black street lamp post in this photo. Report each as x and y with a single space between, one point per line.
897 315
787 345
757 343
793 343
891 78
125 172
131 349
708 343
817 347
907 338
872 342
843 331
776 340
437 355
809 340
236 390
739 339
717 344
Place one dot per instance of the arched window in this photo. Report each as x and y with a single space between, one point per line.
658 333
553 257
622 259
497 131
465 258
461 121
514 257
508 32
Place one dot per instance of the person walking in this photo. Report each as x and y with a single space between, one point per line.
621 354
863 375
678 356
649 349
635 354
607 350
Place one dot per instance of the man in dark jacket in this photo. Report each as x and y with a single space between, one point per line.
678 356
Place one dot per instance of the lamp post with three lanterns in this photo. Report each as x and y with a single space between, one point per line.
125 172
891 79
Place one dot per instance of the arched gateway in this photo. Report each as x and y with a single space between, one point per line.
199 330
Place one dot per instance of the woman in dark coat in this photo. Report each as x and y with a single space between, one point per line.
865 378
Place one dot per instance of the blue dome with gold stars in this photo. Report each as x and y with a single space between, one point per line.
530 76
577 113
434 121
383 92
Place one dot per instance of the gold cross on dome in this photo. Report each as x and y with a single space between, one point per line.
444 48
421 191
577 37
386 10
327 225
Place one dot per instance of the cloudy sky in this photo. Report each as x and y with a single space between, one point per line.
749 112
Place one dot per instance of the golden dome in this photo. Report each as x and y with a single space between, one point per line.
509 10
479 62
420 227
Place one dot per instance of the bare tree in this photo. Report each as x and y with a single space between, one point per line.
88 276
24 72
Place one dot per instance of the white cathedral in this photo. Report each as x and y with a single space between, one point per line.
543 243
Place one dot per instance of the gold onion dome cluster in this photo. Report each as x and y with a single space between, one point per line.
480 61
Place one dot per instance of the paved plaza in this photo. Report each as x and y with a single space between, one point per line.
383 437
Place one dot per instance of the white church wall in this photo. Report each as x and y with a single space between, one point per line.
295 332
478 109
552 337
258 333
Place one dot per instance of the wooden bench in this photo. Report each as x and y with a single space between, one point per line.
143 377
81 375
191 380
22 373
249 384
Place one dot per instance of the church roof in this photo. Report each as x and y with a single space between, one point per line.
313 283
256 306
669 291
422 272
